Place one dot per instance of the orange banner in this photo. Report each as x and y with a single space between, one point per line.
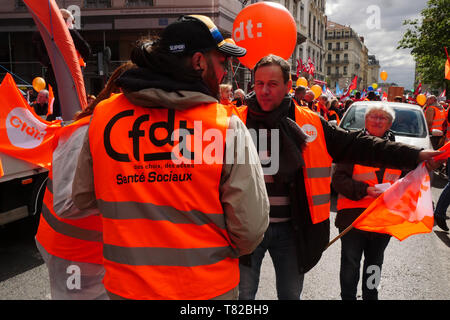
1 169
403 210
23 134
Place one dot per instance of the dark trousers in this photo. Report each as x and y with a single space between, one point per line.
354 244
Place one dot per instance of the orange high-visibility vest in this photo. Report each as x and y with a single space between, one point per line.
367 175
330 112
70 239
164 228
317 170
439 118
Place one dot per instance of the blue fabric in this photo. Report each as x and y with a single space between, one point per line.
279 241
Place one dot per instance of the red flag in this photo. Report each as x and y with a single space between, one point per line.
384 97
299 66
23 134
311 67
351 87
403 210
418 89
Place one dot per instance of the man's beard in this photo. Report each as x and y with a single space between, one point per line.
211 80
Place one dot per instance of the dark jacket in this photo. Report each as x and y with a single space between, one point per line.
40 109
354 190
344 147
40 51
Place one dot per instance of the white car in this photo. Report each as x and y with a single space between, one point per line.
409 126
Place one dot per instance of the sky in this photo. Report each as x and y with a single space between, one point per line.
380 22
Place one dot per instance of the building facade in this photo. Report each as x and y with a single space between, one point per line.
373 72
116 25
313 21
113 24
346 57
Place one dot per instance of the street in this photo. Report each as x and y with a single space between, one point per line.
417 268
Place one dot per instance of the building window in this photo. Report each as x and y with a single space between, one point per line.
345 45
345 56
329 58
345 71
314 29
295 10
302 14
309 25
97 3
337 58
338 45
330 45
139 3
20 5
337 70
329 70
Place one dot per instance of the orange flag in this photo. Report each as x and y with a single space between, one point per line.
403 210
23 134
446 152
447 69
1 169
51 100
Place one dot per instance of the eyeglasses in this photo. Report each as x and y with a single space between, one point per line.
380 118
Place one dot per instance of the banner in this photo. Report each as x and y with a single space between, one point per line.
404 209
62 53
23 134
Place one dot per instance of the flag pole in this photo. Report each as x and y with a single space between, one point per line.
350 227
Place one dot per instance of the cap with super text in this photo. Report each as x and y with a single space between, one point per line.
193 33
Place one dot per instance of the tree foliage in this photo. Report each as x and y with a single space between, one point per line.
427 37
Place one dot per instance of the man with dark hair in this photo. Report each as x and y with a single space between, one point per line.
175 221
299 191
299 96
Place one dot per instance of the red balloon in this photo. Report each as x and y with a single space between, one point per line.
264 28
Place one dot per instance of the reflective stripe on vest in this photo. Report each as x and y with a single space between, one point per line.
164 227
70 239
317 170
367 175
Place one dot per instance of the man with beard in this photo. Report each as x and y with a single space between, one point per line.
173 228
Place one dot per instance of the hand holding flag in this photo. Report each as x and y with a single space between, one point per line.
402 210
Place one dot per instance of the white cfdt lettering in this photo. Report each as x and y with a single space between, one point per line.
16 122
239 32
23 129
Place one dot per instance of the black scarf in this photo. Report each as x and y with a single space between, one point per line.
140 78
292 137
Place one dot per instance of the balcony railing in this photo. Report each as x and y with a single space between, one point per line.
97 4
343 61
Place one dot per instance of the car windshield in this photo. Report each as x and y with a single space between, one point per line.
408 122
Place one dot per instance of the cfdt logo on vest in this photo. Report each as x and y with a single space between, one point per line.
140 133
23 129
